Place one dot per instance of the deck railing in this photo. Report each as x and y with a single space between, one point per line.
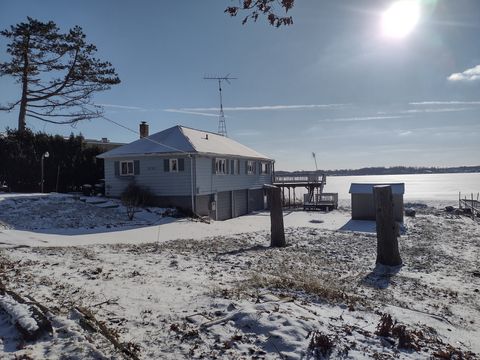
289 179
322 198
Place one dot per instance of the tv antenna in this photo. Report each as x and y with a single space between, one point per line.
222 126
315 158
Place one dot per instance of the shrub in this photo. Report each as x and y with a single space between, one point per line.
135 196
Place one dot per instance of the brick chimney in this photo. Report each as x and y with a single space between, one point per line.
143 129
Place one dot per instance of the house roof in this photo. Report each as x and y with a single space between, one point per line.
362 188
181 139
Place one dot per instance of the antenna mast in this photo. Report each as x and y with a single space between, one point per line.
315 158
222 125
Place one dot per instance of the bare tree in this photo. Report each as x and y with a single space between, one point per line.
58 73
257 8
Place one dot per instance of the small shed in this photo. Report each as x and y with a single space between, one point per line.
363 203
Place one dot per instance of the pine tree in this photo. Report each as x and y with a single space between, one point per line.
58 73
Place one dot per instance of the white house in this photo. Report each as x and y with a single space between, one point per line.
191 169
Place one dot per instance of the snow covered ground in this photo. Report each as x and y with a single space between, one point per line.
171 288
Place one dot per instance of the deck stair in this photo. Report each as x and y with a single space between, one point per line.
471 205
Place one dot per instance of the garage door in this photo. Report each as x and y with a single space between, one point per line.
240 201
255 201
224 205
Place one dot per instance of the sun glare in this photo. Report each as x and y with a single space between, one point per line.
400 18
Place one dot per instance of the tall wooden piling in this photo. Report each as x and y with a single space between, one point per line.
387 230
276 217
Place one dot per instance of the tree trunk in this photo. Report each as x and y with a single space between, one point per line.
387 230
276 217
23 103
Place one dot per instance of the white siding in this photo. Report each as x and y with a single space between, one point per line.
161 183
209 183
152 175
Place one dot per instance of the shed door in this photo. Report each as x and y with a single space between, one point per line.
240 199
224 205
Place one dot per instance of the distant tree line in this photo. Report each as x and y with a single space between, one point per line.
70 163
395 170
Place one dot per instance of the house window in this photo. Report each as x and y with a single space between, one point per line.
265 168
173 165
126 168
220 166
250 167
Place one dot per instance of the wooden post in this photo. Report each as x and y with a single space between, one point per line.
387 229
276 217
289 198
473 209
58 178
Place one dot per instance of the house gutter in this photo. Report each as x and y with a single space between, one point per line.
191 181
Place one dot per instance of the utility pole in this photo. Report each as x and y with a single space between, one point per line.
44 155
222 126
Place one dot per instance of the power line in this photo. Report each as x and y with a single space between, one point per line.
167 146
138 133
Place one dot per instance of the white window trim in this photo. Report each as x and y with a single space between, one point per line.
218 166
250 167
170 165
264 168
128 173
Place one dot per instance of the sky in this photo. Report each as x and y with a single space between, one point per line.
334 83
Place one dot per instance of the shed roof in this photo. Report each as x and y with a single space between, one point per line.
365 188
181 139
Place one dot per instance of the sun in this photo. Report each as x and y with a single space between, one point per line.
400 18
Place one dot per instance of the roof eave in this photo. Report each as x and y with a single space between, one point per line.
235 155
116 156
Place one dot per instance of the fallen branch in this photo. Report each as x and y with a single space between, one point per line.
42 307
234 313
436 317
90 323
189 318
219 321
108 302
14 303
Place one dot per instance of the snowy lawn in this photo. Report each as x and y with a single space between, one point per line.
175 288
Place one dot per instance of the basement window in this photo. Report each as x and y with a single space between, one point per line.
126 168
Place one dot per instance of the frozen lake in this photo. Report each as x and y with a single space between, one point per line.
417 186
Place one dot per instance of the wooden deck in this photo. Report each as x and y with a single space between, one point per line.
315 199
316 180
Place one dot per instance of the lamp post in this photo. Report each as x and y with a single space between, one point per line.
44 155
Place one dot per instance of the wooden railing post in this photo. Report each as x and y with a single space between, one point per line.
387 230
276 217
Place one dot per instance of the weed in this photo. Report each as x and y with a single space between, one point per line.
385 326
320 346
